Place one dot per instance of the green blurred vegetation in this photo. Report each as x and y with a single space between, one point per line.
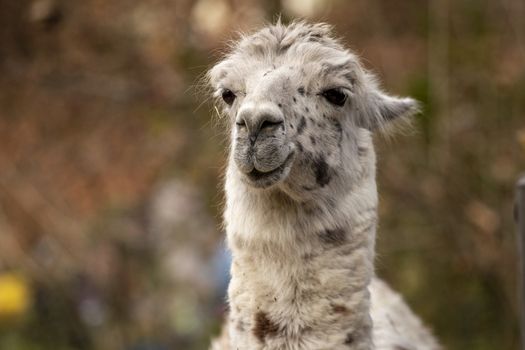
109 153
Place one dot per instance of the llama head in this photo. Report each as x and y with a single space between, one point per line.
301 110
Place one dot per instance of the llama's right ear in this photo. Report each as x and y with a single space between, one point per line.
215 74
381 109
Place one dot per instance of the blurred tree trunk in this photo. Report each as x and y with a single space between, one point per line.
438 70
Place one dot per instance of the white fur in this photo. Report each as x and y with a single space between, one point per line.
303 247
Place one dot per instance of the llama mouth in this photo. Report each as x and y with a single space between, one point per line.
266 179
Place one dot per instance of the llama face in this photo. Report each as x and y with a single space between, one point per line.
301 109
263 150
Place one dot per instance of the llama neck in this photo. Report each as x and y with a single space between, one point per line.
300 271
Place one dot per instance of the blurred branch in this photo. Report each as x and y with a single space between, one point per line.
520 218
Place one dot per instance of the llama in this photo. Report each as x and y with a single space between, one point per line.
301 197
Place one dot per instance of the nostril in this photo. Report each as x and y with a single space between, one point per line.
270 123
240 123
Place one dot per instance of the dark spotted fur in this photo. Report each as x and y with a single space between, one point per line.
264 327
322 172
334 237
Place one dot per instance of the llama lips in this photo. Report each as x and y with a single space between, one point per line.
261 179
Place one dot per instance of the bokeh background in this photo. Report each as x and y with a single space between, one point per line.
110 165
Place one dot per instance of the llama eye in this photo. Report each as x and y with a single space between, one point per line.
228 96
335 96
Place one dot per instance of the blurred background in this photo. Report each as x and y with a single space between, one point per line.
110 165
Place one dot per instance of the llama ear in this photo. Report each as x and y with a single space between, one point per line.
381 109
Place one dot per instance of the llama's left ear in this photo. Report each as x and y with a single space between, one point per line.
382 109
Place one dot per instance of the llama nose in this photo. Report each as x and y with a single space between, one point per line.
255 122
